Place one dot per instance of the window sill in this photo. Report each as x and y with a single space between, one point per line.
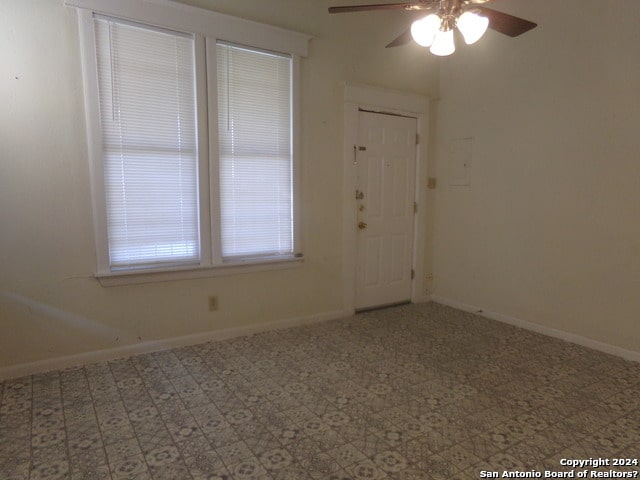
113 279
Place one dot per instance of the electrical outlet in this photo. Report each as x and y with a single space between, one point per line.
213 303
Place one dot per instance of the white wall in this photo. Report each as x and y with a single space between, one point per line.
50 304
549 229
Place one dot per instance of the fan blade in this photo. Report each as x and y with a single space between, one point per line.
505 23
381 6
402 39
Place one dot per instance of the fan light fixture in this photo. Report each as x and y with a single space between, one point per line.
472 26
443 43
436 31
424 30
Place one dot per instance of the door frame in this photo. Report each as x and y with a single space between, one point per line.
365 97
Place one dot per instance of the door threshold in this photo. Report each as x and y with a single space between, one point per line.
382 307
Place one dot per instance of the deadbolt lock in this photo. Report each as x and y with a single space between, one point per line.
362 225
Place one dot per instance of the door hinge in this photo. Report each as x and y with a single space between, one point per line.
413 274
415 207
417 139
362 149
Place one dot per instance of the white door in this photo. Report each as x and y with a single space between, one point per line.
386 182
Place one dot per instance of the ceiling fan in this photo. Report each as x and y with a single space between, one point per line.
435 30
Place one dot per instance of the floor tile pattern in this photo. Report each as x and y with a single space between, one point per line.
411 392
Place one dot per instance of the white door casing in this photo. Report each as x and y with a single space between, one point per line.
359 97
386 167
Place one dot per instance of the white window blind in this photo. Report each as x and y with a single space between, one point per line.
147 113
255 152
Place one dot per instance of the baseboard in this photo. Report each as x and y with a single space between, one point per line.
543 329
425 298
20 370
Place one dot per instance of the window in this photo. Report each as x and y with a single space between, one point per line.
192 127
254 134
149 152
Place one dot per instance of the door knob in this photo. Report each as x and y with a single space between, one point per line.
362 225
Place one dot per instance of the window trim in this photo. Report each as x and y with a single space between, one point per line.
199 21
207 28
134 277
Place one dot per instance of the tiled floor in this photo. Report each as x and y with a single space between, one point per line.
413 392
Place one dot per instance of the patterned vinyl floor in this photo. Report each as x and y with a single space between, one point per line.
412 392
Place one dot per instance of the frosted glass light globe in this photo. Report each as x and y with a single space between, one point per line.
424 30
443 43
472 26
